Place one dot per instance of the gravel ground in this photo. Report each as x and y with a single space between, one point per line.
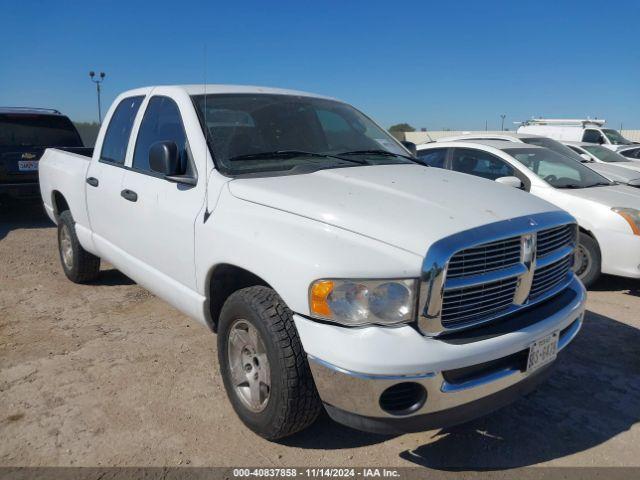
109 375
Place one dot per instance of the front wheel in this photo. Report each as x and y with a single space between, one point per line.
264 368
588 261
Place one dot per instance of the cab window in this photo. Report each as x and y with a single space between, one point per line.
592 136
114 145
433 157
161 123
480 164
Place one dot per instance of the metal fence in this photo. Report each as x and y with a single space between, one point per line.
422 137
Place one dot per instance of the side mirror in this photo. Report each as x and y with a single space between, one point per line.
411 147
585 157
514 182
163 158
601 141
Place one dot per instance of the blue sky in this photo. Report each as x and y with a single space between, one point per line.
436 64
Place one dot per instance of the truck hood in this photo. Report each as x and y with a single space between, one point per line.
614 196
407 206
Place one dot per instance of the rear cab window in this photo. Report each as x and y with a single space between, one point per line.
116 139
37 130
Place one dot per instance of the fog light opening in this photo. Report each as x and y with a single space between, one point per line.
403 398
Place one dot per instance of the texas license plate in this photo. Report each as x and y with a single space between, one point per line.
27 165
542 352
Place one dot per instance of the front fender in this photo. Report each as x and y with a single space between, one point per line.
289 252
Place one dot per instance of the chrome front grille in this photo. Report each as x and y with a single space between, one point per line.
554 238
479 301
466 285
546 278
485 258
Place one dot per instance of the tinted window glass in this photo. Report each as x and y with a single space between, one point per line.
633 153
161 123
592 136
114 146
247 133
433 158
37 130
604 154
480 164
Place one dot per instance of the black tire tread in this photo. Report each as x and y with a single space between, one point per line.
592 245
301 405
86 266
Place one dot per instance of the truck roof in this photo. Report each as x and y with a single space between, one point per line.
211 88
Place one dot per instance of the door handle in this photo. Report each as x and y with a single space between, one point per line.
93 181
129 195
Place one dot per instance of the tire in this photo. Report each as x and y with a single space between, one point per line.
79 265
269 352
588 260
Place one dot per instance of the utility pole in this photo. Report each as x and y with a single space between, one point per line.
97 81
502 117
486 125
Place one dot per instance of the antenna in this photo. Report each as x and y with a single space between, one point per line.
207 213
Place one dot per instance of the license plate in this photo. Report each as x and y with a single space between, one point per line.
27 165
542 352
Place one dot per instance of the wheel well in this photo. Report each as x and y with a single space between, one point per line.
224 280
59 203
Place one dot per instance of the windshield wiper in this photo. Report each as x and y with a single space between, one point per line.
571 185
385 153
289 153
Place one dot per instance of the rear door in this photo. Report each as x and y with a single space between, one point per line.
104 179
161 214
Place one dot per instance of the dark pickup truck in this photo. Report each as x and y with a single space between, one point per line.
25 133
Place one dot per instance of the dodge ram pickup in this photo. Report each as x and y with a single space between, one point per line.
337 272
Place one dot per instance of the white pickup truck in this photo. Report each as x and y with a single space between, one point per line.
337 272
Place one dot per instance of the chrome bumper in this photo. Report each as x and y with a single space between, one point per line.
357 394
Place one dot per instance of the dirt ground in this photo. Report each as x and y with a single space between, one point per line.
109 375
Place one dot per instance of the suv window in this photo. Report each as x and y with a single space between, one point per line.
433 157
37 130
592 136
161 123
480 164
114 146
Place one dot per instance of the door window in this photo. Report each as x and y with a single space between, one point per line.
161 123
480 164
633 153
114 146
433 157
592 136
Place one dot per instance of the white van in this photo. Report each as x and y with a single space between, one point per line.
576 130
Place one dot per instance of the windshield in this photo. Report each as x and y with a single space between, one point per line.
555 146
615 137
17 130
255 133
604 154
557 170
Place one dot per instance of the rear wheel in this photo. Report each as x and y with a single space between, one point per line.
79 265
588 261
264 368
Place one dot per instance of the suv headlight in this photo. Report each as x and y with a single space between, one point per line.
632 216
362 302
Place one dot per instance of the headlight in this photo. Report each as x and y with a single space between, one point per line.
631 215
361 302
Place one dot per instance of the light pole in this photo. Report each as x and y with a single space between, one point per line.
502 117
97 81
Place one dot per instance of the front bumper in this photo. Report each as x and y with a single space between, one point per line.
465 375
620 253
